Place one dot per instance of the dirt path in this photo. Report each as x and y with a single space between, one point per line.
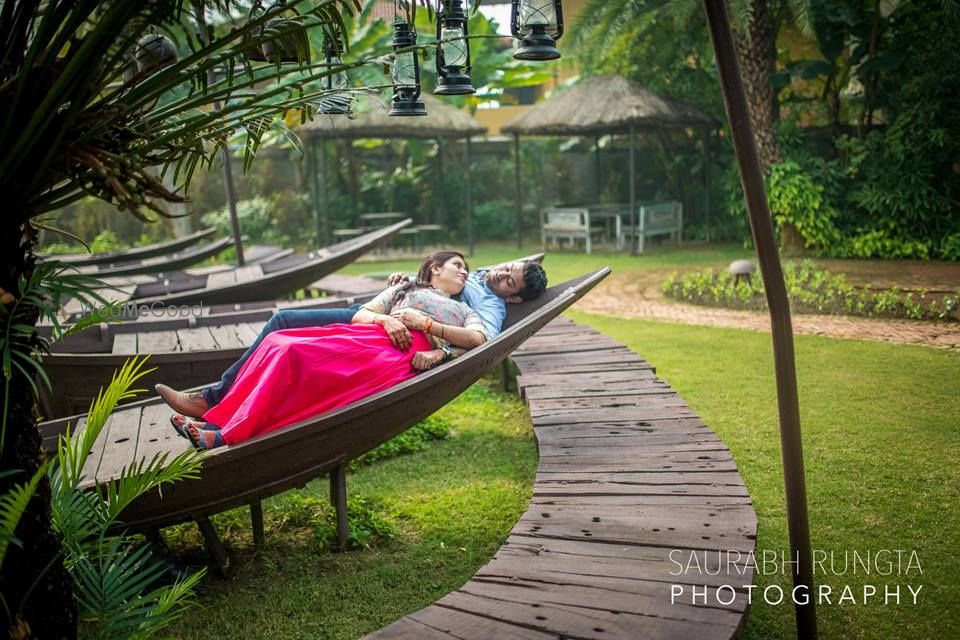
637 295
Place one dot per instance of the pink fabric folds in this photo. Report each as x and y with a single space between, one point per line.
300 373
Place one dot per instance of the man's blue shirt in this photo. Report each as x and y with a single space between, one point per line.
489 306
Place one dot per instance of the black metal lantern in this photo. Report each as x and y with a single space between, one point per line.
337 102
538 24
406 73
285 43
453 56
154 52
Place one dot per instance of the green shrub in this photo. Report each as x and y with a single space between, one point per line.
105 242
256 221
796 199
416 438
880 243
367 520
811 290
494 219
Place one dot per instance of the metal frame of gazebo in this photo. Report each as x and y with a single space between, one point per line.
442 122
607 104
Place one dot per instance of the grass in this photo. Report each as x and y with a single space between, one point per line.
564 265
881 445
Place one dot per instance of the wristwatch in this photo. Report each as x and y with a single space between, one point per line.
447 352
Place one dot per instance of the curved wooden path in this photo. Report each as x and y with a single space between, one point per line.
634 499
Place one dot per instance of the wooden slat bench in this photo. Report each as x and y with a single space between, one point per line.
568 223
630 483
655 219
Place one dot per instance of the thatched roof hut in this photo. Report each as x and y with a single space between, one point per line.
441 121
605 104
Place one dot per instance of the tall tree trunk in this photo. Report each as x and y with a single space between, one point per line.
757 51
50 610
756 46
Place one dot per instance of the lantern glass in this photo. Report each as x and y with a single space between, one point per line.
538 13
455 51
337 80
405 70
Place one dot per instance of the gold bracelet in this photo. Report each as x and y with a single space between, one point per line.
427 325
441 330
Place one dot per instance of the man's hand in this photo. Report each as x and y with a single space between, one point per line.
396 278
411 319
423 360
398 333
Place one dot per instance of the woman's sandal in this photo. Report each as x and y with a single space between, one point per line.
180 422
201 435
204 436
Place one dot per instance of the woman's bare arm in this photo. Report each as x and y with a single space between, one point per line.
457 336
397 332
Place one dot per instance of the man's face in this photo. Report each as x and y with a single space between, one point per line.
506 280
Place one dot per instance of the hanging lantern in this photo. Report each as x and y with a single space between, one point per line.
337 102
538 24
154 52
285 41
406 74
453 56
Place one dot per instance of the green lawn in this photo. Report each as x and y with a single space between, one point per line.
881 430
564 265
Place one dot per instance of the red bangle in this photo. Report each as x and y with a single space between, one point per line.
427 325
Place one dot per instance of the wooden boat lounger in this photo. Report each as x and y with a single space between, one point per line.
136 253
158 264
290 457
267 281
190 349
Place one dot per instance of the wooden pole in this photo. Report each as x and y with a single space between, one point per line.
708 183
634 214
224 152
314 190
470 240
596 167
441 187
761 226
516 159
324 187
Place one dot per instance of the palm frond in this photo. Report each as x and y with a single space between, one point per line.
144 476
72 452
12 506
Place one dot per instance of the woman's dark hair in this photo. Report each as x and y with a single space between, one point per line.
435 259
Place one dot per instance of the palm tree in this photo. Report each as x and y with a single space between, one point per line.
756 24
93 101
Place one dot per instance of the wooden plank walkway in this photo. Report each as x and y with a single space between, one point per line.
633 490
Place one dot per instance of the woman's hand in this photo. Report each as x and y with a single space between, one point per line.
396 278
411 319
423 360
398 333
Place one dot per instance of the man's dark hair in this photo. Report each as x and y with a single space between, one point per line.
534 281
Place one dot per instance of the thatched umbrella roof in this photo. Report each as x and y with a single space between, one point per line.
607 104
441 121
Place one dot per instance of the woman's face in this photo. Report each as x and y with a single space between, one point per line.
450 276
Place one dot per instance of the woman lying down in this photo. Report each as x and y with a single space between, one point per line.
298 373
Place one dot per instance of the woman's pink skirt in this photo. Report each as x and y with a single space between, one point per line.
300 373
